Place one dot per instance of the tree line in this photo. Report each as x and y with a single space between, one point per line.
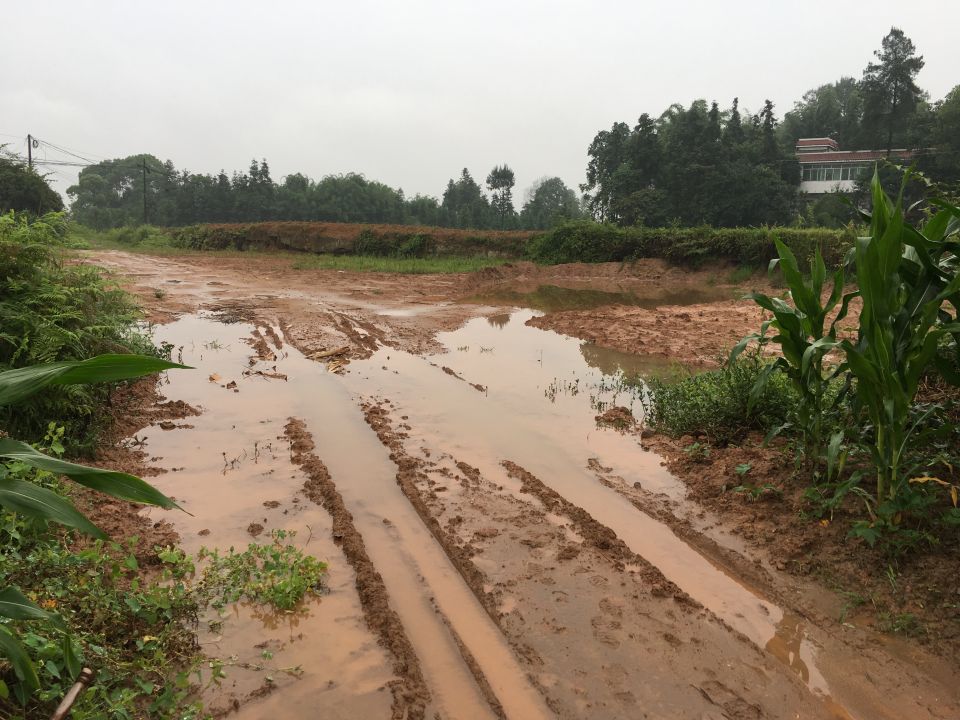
703 165
141 188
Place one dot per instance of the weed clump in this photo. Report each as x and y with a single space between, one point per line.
715 403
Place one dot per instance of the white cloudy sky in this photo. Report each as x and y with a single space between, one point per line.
411 92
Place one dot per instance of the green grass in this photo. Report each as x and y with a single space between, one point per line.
715 403
403 266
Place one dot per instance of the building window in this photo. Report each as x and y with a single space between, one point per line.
832 172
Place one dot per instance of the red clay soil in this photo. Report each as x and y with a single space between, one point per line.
916 594
132 407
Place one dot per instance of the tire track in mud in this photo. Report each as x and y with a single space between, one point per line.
408 469
410 694
626 636
598 535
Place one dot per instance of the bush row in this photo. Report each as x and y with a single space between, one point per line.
578 241
595 242
352 239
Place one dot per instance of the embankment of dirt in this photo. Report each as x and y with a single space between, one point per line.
410 693
353 239
133 406
689 334
915 595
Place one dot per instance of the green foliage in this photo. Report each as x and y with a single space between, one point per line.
352 239
28 488
889 90
909 290
96 612
716 403
752 247
51 312
23 190
548 203
695 166
279 574
905 276
756 492
805 340
500 183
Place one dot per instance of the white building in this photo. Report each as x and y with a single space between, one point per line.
825 168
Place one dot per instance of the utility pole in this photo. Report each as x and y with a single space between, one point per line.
145 171
30 151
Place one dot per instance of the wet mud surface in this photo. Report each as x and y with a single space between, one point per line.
501 539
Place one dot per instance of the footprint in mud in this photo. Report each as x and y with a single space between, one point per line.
611 606
604 630
615 675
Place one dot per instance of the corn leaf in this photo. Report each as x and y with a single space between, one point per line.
117 484
28 498
11 649
15 385
15 605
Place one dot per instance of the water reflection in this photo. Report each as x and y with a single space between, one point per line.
499 320
554 298
786 645
612 362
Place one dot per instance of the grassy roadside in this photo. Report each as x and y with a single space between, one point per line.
861 485
126 607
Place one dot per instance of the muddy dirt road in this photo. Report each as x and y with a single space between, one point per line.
493 551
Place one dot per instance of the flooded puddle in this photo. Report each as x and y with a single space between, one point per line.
235 459
503 391
540 395
555 298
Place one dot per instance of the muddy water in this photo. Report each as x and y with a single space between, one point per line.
231 463
222 470
556 298
538 410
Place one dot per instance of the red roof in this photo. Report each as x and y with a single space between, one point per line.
816 142
851 155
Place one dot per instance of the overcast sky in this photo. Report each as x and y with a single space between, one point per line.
410 92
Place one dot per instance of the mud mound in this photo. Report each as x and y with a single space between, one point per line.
618 418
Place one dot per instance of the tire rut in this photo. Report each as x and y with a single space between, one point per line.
410 693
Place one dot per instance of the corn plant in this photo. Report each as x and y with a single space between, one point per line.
805 339
19 494
905 276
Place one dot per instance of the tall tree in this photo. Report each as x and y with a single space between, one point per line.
500 183
548 202
890 90
607 153
834 110
464 204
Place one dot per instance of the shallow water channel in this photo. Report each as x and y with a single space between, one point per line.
502 391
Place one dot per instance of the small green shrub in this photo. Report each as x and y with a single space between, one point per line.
715 403
370 243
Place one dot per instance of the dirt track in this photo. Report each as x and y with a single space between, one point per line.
493 552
